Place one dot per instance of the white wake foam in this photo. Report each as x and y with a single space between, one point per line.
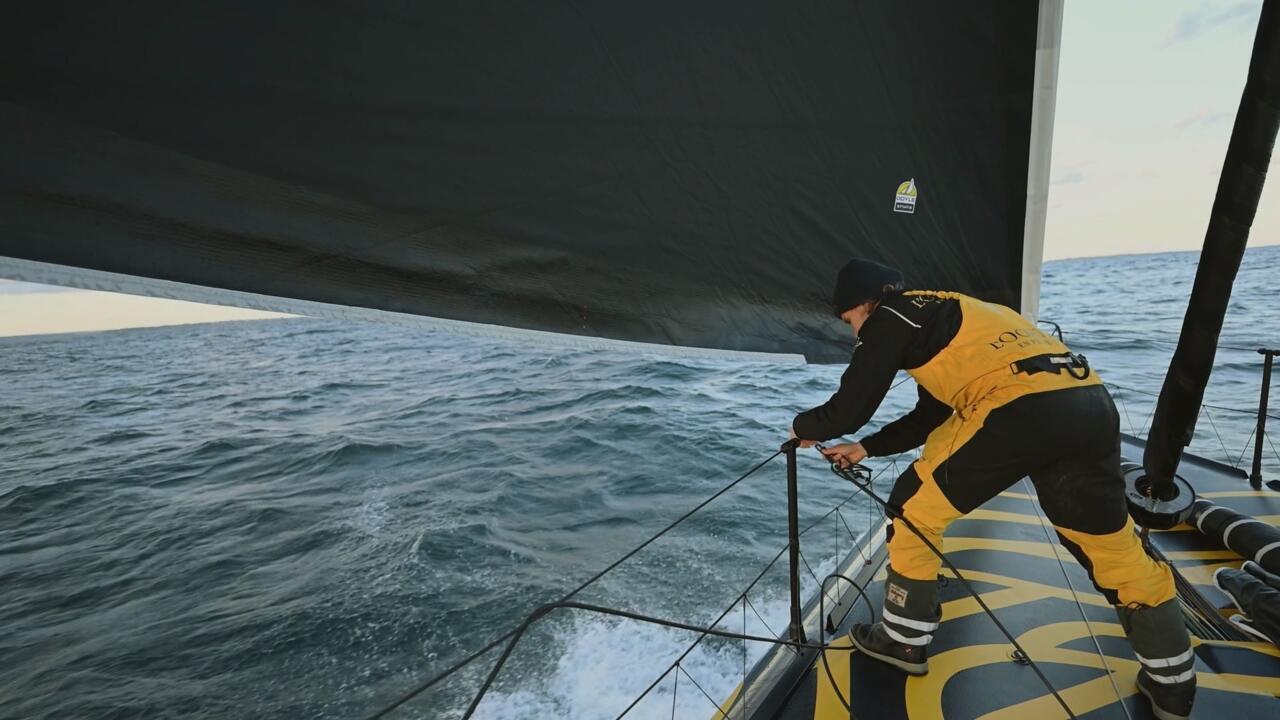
604 663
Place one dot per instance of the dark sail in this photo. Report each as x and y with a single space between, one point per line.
664 172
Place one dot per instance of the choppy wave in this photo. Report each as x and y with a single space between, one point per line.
296 518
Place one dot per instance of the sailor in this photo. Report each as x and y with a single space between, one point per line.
999 400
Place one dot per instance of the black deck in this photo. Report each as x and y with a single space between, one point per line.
1040 593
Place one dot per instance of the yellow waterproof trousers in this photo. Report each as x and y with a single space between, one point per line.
1067 442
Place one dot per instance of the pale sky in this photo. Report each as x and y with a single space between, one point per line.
1147 92
27 309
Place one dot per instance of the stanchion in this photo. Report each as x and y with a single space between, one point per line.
1260 436
796 629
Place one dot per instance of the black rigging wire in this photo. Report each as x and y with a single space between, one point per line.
859 476
1213 625
1204 408
759 616
424 686
698 685
1225 452
822 630
862 595
1223 408
1044 525
1099 335
891 387
1240 458
809 568
742 597
513 636
675 695
544 610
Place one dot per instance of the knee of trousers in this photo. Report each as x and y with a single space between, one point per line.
929 511
1118 563
911 558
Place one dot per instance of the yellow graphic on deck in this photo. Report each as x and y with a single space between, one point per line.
923 696
1047 643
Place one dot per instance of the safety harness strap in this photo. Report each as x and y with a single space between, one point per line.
1074 364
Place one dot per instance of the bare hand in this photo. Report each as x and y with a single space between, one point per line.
846 454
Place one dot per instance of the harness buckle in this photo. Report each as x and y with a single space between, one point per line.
1075 365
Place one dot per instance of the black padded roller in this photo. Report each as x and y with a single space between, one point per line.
1250 538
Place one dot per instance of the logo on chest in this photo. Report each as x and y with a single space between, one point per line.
1019 337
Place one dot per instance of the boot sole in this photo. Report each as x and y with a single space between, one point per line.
1159 712
903 665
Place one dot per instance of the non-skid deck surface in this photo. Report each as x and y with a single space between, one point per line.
1003 549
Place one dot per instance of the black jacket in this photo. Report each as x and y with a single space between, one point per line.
904 332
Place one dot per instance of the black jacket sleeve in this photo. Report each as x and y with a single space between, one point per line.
863 385
910 430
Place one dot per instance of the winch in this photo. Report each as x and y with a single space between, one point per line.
1159 507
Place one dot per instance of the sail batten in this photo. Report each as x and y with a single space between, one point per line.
1044 103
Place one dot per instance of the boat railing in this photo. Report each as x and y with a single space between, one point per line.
1259 441
1269 356
795 630
794 639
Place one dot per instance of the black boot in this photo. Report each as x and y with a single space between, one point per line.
1168 702
1271 580
1256 594
911 614
1160 640
873 641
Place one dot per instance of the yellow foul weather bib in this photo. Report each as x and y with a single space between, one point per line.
975 372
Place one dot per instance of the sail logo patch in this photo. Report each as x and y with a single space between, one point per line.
905 200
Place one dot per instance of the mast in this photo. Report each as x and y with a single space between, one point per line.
1239 188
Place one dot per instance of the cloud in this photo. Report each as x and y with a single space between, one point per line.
1196 23
1201 119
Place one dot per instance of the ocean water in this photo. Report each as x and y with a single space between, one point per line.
299 518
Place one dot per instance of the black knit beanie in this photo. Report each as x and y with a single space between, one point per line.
860 281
